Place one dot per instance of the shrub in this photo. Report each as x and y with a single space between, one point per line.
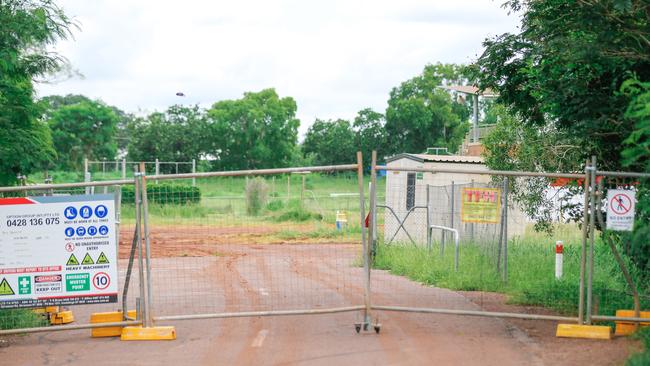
274 205
256 195
165 194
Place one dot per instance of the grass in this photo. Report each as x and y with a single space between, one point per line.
531 279
21 318
642 358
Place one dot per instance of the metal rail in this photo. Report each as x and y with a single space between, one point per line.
68 327
237 173
490 314
456 241
245 314
67 185
482 172
508 173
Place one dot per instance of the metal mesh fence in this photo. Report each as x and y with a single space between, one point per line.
498 250
238 244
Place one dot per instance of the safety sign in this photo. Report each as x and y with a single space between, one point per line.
57 250
480 205
620 209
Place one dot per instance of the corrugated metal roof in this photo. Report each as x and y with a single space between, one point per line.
438 158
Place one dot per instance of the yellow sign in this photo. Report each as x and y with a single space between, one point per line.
480 205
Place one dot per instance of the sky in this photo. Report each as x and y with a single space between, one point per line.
333 57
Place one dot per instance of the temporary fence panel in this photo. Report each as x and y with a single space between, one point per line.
419 268
256 242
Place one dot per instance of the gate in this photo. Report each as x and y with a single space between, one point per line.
495 250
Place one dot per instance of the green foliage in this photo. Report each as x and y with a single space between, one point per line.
85 129
21 318
371 134
258 131
576 90
256 195
27 28
643 358
178 134
330 142
165 194
275 205
421 114
637 150
296 211
531 279
567 77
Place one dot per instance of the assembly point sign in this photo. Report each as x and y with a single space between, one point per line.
480 205
620 209
57 250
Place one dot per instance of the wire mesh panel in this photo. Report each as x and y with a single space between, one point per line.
266 243
498 249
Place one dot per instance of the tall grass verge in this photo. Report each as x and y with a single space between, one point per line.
531 279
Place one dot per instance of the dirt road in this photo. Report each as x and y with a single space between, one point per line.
273 277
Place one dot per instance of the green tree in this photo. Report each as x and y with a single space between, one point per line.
258 131
330 142
422 114
569 75
561 76
26 29
51 103
175 135
83 130
370 134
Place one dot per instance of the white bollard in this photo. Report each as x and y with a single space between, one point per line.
559 253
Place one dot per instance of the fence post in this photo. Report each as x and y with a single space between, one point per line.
583 255
500 245
141 308
123 168
157 169
145 221
364 243
471 225
592 224
373 204
505 229
453 207
193 171
429 218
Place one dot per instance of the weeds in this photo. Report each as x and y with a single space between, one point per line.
531 279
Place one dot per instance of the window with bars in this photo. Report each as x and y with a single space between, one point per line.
410 191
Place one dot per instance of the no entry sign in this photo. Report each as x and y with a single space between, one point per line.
620 209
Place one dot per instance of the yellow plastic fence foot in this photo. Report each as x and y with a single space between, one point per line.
47 309
625 328
584 331
148 334
61 317
108 317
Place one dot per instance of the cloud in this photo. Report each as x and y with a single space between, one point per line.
334 57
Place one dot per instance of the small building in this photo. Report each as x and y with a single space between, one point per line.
425 198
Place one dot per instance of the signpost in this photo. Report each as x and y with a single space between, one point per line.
480 205
57 250
620 209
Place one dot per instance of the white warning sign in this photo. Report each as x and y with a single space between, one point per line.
620 209
57 250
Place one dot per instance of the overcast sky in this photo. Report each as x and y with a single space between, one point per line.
334 57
